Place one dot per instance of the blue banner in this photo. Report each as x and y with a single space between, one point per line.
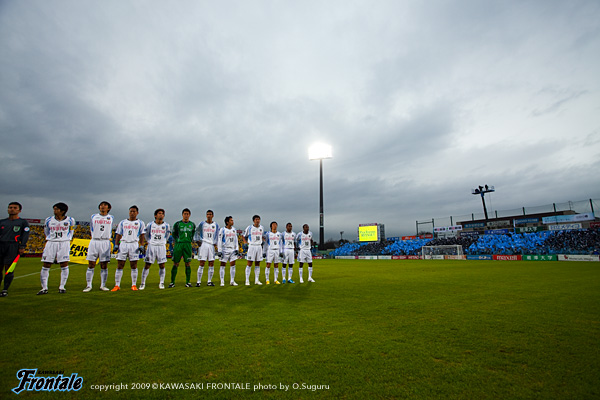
474 225
497 231
479 257
526 221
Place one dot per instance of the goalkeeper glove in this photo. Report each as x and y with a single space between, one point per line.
116 248
219 254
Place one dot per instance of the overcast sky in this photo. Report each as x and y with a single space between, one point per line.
213 104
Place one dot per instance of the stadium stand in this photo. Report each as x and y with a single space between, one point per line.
535 243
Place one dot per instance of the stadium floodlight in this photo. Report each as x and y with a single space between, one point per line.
482 190
320 151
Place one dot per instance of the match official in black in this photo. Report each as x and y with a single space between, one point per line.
14 233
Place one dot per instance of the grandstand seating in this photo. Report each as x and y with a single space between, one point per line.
544 242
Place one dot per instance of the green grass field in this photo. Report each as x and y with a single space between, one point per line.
365 329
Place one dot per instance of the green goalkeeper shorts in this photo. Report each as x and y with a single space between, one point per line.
182 250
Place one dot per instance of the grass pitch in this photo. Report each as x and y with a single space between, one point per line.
365 329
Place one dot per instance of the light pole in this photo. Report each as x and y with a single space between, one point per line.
482 190
320 151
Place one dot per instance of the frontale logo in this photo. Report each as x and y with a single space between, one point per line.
30 382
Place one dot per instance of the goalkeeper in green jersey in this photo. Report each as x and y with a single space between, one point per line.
183 233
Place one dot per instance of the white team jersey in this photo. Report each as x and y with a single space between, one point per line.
288 239
228 239
157 234
304 240
273 240
101 226
130 231
207 233
59 231
254 235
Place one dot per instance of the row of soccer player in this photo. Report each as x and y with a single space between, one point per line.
132 235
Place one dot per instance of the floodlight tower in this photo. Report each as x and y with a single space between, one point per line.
320 151
482 190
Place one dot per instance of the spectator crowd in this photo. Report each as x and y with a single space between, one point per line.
535 243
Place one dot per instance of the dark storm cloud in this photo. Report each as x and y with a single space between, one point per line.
213 105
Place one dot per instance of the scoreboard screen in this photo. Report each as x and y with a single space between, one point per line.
368 233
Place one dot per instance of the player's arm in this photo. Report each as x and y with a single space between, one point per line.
265 243
215 240
117 240
47 227
71 228
167 233
220 240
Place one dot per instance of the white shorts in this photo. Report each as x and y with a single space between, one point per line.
99 250
156 253
305 256
288 256
273 257
206 252
58 252
229 257
128 250
254 253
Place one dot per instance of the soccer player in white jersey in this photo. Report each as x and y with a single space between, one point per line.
206 236
227 250
59 233
157 233
304 241
129 241
253 236
99 248
289 240
274 248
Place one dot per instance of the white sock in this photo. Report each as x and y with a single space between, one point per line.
103 277
89 276
200 272
145 273
248 270
161 275
118 276
276 272
309 272
257 273
44 277
64 274
222 273
134 276
290 271
211 271
300 272
232 272
267 272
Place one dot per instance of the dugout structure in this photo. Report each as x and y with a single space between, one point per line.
429 252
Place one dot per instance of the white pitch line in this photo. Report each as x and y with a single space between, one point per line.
35 273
